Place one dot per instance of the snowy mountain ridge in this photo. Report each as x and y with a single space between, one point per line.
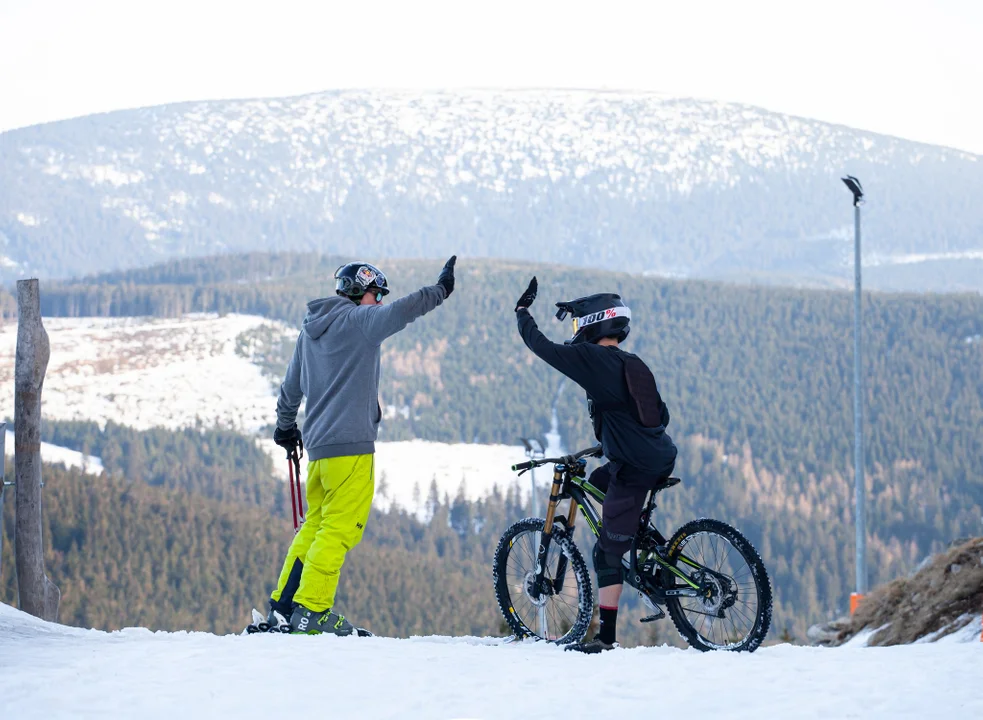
676 185
483 139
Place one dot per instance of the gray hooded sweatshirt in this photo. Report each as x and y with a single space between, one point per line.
336 365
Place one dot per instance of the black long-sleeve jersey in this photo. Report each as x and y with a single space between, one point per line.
600 372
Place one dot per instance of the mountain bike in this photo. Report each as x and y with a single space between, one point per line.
707 575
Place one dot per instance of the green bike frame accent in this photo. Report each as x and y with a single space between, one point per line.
582 492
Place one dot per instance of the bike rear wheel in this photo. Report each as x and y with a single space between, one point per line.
735 611
563 612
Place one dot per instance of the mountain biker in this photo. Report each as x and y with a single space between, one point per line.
629 420
336 365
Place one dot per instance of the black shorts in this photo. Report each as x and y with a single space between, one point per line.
625 490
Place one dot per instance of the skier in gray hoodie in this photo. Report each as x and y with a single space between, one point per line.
336 366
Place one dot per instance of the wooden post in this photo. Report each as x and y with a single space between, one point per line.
37 595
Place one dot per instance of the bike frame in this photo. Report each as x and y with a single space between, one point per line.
567 484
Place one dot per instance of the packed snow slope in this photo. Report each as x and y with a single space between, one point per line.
52 671
669 185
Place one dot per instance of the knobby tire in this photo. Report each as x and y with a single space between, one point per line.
762 587
509 597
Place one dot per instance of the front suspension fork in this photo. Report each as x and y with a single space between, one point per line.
547 537
561 563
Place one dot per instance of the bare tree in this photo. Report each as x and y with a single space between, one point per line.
37 594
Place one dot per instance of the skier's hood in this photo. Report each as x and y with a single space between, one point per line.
324 311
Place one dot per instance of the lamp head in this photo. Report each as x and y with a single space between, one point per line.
853 184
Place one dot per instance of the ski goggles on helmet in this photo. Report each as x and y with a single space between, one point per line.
599 316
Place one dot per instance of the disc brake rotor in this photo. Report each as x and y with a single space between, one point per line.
711 593
538 600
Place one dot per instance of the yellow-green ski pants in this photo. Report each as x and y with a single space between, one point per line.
339 498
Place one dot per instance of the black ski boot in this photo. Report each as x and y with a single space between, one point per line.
278 618
592 647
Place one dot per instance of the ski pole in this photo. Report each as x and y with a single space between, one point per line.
296 498
293 492
300 497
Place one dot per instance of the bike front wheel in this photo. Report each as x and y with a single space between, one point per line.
560 611
733 611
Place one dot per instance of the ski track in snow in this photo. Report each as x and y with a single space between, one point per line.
51 671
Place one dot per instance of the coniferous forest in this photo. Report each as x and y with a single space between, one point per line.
187 528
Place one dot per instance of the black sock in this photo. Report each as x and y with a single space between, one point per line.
609 623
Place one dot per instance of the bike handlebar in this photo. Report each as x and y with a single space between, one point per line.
565 460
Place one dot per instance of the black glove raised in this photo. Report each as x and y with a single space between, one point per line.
287 439
529 296
446 279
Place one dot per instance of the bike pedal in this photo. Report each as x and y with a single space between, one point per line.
652 618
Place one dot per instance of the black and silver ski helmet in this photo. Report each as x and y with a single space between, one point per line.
356 278
595 317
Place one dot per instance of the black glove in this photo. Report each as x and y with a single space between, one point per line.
287 439
446 279
528 296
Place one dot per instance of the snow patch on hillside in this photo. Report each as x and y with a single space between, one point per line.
915 258
146 372
53 671
404 471
173 373
57 455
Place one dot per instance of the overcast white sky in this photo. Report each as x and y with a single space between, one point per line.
913 69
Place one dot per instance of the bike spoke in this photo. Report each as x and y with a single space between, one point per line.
720 626
557 613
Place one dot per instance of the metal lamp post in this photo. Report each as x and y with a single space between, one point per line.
858 409
534 451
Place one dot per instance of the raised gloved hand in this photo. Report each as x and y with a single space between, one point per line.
446 278
287 439
529 296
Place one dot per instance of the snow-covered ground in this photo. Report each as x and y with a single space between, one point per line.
57 455
51 671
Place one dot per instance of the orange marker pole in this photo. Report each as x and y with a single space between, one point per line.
855 599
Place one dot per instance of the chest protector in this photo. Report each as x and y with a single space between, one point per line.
644 401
